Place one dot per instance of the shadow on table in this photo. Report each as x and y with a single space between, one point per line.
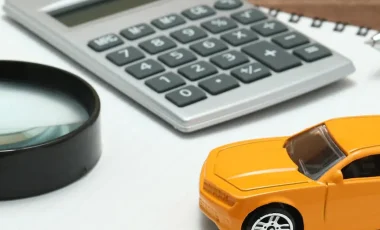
207 224
300 101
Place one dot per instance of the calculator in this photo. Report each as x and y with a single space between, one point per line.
193 63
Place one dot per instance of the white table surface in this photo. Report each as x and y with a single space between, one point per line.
147 177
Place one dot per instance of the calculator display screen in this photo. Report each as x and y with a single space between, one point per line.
94 9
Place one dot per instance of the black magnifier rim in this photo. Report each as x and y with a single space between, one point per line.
39 169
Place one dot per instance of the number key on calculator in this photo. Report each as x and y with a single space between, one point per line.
193 63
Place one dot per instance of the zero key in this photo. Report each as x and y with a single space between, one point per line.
186 96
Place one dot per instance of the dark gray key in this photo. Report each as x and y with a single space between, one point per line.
228 4
229 60
272 56
177 57
219 25
209 47
165 82
240 37
105 42
198 70
198 12
312 52
249 16
157 45
125 56
251 72
219 84
137 31
290 40
145 69
186 96
269 28
189 34
168 21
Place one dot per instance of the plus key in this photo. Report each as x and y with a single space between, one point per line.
272 56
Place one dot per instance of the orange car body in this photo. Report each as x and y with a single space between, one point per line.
239 178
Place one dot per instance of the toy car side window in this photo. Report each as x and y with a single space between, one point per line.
365 167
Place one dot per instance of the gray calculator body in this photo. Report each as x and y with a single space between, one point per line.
222 95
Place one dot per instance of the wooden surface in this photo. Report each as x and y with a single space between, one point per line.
364 13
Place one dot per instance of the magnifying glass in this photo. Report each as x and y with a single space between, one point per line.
49 129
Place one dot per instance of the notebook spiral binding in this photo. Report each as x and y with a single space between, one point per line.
318 22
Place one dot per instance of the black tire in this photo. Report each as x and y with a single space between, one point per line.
284 218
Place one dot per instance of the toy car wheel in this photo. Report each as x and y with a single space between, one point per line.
271 219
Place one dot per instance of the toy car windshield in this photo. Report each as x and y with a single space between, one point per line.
314 151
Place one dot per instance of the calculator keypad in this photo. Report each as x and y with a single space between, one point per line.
209 47
240 37
125 56
145 69
219 25
137 31
269 28
219 84
251 72
177 57
189 34
290 40
212 55
157 44
198 12
105 42
249 16
229 60
312 52
197 70
165 82
272 56
186 96
227 4
168 21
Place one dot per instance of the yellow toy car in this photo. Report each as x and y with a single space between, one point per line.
326 177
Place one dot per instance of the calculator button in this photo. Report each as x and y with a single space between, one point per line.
198 70
312 52
145 69
269 28
165 82
228 4
138 31
249 16
272 56
157 45
219 84
186 96
125 56
290 40
198 12
219 25
229 60
105 42
251 72
177 57
168 21
240 37
189 34
209 47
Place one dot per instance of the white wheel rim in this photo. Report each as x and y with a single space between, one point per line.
273 221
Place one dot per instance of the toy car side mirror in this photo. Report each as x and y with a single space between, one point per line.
336 177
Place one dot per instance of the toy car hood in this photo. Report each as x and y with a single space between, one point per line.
259 164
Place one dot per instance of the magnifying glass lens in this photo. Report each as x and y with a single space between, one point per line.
32 115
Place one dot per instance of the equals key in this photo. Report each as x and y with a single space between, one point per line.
252 72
